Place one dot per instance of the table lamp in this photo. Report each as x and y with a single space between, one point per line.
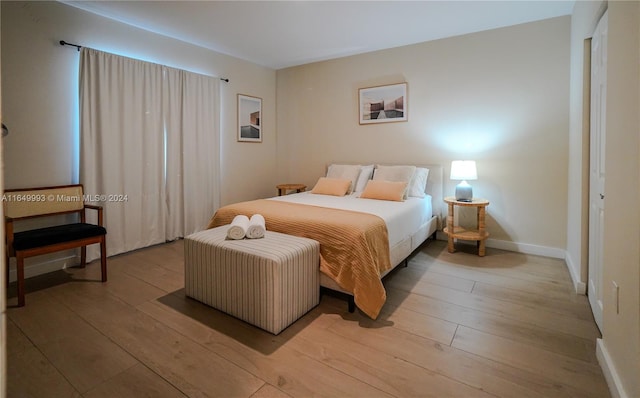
463 170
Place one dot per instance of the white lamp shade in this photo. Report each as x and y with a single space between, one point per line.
463 170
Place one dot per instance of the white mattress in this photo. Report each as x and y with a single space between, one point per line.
403 219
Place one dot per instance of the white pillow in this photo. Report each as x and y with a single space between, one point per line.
418 182
366 172
345 172
394 173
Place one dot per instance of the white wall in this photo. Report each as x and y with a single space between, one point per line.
40 89
500 97
621 328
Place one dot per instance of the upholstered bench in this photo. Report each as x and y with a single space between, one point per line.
268 282
45 202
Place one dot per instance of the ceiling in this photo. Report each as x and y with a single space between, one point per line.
280 34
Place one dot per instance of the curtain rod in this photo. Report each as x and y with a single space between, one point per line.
64 43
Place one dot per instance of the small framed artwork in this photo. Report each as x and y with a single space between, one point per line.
383 104
249 118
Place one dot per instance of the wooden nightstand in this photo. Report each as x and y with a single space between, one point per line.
480 234
283 188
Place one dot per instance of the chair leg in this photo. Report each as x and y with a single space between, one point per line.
20 271
83 256
103 258
8 262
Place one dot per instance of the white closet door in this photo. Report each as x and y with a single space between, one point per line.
597 165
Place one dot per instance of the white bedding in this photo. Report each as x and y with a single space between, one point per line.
403 219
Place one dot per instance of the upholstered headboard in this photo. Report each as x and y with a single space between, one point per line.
435 188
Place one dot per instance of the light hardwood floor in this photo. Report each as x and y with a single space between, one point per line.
454 325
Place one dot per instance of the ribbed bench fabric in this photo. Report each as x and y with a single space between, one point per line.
268 282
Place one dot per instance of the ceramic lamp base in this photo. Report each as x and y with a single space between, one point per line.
464 193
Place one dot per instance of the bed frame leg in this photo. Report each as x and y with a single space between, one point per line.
352 304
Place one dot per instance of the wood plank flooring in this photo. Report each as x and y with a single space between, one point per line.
454 325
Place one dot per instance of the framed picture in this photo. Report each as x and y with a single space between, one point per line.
249 118
383 104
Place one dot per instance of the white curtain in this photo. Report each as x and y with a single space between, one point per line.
192 103
149 142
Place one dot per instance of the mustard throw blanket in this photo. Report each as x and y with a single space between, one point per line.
354 247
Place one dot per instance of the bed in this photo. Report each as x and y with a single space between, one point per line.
361 239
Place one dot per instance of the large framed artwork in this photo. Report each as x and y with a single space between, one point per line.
383 104
249 118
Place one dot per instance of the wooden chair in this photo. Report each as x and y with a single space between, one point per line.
31 203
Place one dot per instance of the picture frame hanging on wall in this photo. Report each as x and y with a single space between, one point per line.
383 104
249 118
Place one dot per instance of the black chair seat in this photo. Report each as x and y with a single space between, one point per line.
53 235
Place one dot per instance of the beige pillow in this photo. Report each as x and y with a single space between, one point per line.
345 171
385 190
331 186
394 173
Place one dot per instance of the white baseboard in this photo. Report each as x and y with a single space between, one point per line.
43 267
527 248
517 247
609 370
578 285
